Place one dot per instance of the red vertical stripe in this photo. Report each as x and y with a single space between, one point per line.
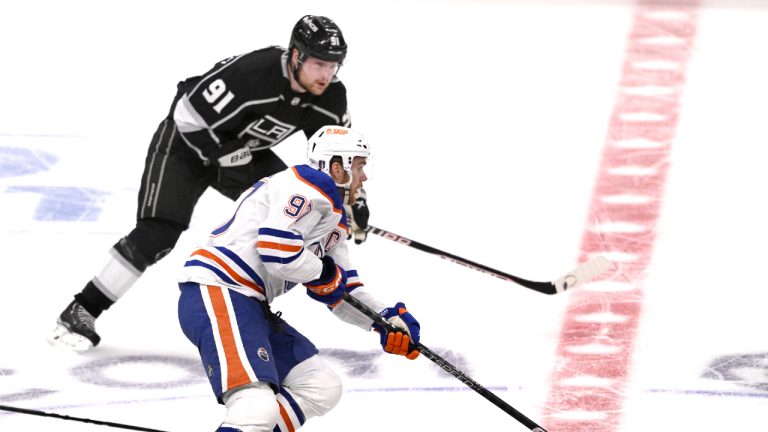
594 356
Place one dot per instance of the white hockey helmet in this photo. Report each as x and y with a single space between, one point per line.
333 140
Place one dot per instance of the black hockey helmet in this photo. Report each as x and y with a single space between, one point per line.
319 37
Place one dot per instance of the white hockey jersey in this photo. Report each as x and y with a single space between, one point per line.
280 228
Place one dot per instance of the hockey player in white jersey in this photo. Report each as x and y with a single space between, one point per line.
286 230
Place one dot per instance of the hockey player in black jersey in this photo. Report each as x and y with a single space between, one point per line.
218 133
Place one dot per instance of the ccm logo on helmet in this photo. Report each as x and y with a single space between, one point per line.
336 131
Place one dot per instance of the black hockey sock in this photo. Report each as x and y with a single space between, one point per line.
93 300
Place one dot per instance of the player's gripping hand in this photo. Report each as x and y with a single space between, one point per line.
398 342
330 286
360 215
233 153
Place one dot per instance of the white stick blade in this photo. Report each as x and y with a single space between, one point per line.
584 273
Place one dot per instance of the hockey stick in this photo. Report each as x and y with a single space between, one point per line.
80 419
583 273
448 367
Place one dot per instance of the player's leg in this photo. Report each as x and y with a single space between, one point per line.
127 260
252 408
231 333
171 184
309 387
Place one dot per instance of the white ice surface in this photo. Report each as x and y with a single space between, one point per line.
488 121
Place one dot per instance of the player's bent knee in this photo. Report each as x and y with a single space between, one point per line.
331 392
252 409
315 385
149 242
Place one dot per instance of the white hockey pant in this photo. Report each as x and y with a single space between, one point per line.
311 385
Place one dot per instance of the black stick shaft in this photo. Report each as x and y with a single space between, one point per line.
448 367
542 287
80 419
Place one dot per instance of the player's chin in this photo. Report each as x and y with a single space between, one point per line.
353 192
318 89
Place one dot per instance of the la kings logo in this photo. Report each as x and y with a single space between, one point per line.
268 131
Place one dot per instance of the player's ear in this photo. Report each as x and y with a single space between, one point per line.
337 171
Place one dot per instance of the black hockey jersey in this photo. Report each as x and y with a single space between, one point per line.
248 98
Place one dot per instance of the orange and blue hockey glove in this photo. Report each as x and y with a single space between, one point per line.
399 342
330 286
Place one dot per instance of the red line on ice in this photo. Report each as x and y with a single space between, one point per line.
594 351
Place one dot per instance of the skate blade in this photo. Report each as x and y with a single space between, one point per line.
61 337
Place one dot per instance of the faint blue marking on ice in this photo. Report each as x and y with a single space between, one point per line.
18 161
747 369
98 371
717 393
65 204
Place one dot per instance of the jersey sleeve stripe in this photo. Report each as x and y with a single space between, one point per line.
280 259
280 233
186 117
278 246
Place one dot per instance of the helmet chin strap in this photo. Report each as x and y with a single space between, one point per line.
346 186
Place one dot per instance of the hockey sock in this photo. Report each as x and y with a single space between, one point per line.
93 300
119 274
291 416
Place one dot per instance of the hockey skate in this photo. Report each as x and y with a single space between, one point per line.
75 329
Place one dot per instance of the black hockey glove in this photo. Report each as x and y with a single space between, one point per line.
235 172
231 154
360 215
233 181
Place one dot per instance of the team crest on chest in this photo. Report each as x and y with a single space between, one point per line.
268 130
332 240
